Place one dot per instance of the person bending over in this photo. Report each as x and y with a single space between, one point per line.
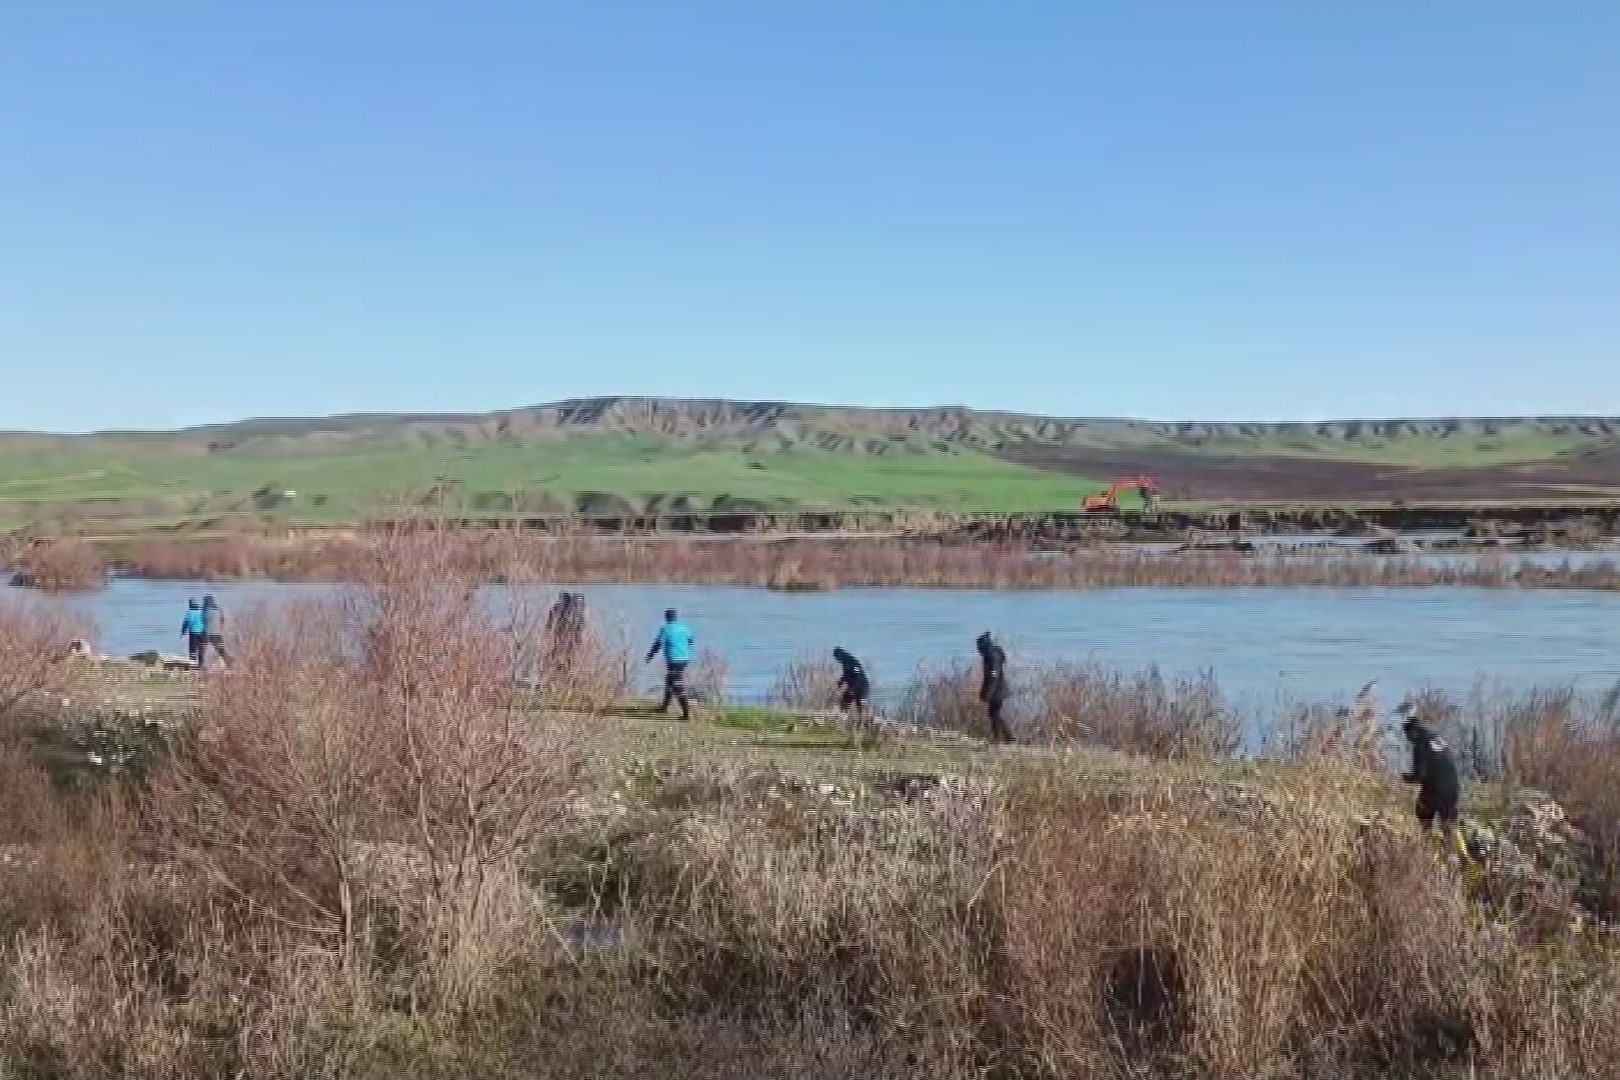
854 685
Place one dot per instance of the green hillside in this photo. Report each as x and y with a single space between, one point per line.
627 454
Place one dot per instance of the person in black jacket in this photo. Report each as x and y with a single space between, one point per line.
855 686
1433 771
993 688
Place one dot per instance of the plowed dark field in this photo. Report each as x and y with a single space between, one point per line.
1285 478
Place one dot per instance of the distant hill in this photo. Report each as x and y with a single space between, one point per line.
621 453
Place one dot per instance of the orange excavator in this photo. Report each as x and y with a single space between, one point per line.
1108 501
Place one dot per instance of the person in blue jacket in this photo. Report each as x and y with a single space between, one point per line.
195 630
674 640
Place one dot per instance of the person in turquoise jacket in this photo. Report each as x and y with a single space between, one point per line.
674 640
194 628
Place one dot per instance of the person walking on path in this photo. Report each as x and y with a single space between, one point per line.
854 684
214 629
195 630
674 640
993 688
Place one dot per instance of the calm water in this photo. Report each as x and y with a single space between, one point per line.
1264 645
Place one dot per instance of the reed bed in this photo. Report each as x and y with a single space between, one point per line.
60 565
819 564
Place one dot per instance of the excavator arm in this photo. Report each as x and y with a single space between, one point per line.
1145 486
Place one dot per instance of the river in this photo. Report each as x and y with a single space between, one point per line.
1265 645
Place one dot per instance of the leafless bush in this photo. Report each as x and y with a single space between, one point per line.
1141 713
367 775
944 697
595 671
1569 746
35 642
208 560
707 679
809 681
60 565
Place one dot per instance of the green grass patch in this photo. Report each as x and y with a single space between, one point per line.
634 472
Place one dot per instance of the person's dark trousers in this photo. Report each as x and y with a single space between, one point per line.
1437 804
197 644
675 688
218 643
998 723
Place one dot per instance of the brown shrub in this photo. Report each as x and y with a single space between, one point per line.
1569 747
35 643
211 560
830 562
1140 713
594 672
809 681
945 698
707 679
60 565
367 775
1349 735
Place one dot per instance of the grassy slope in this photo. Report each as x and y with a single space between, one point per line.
342 485
630 452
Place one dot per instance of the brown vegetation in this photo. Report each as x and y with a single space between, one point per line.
1560 742
59 565
819 564
35 656
1144 713
374 858
809 681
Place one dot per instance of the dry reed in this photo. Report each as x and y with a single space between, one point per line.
818 564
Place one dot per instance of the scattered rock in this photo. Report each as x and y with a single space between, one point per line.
166 661
1537 866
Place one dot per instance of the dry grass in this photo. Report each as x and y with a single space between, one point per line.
374 859
1144 713
1081 705
819 564
1048 932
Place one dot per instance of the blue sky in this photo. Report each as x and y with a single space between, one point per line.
1180 211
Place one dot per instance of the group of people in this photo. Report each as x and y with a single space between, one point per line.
1433 769
855 685
204 628
676 642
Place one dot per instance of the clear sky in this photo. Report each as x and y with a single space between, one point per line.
1181 211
